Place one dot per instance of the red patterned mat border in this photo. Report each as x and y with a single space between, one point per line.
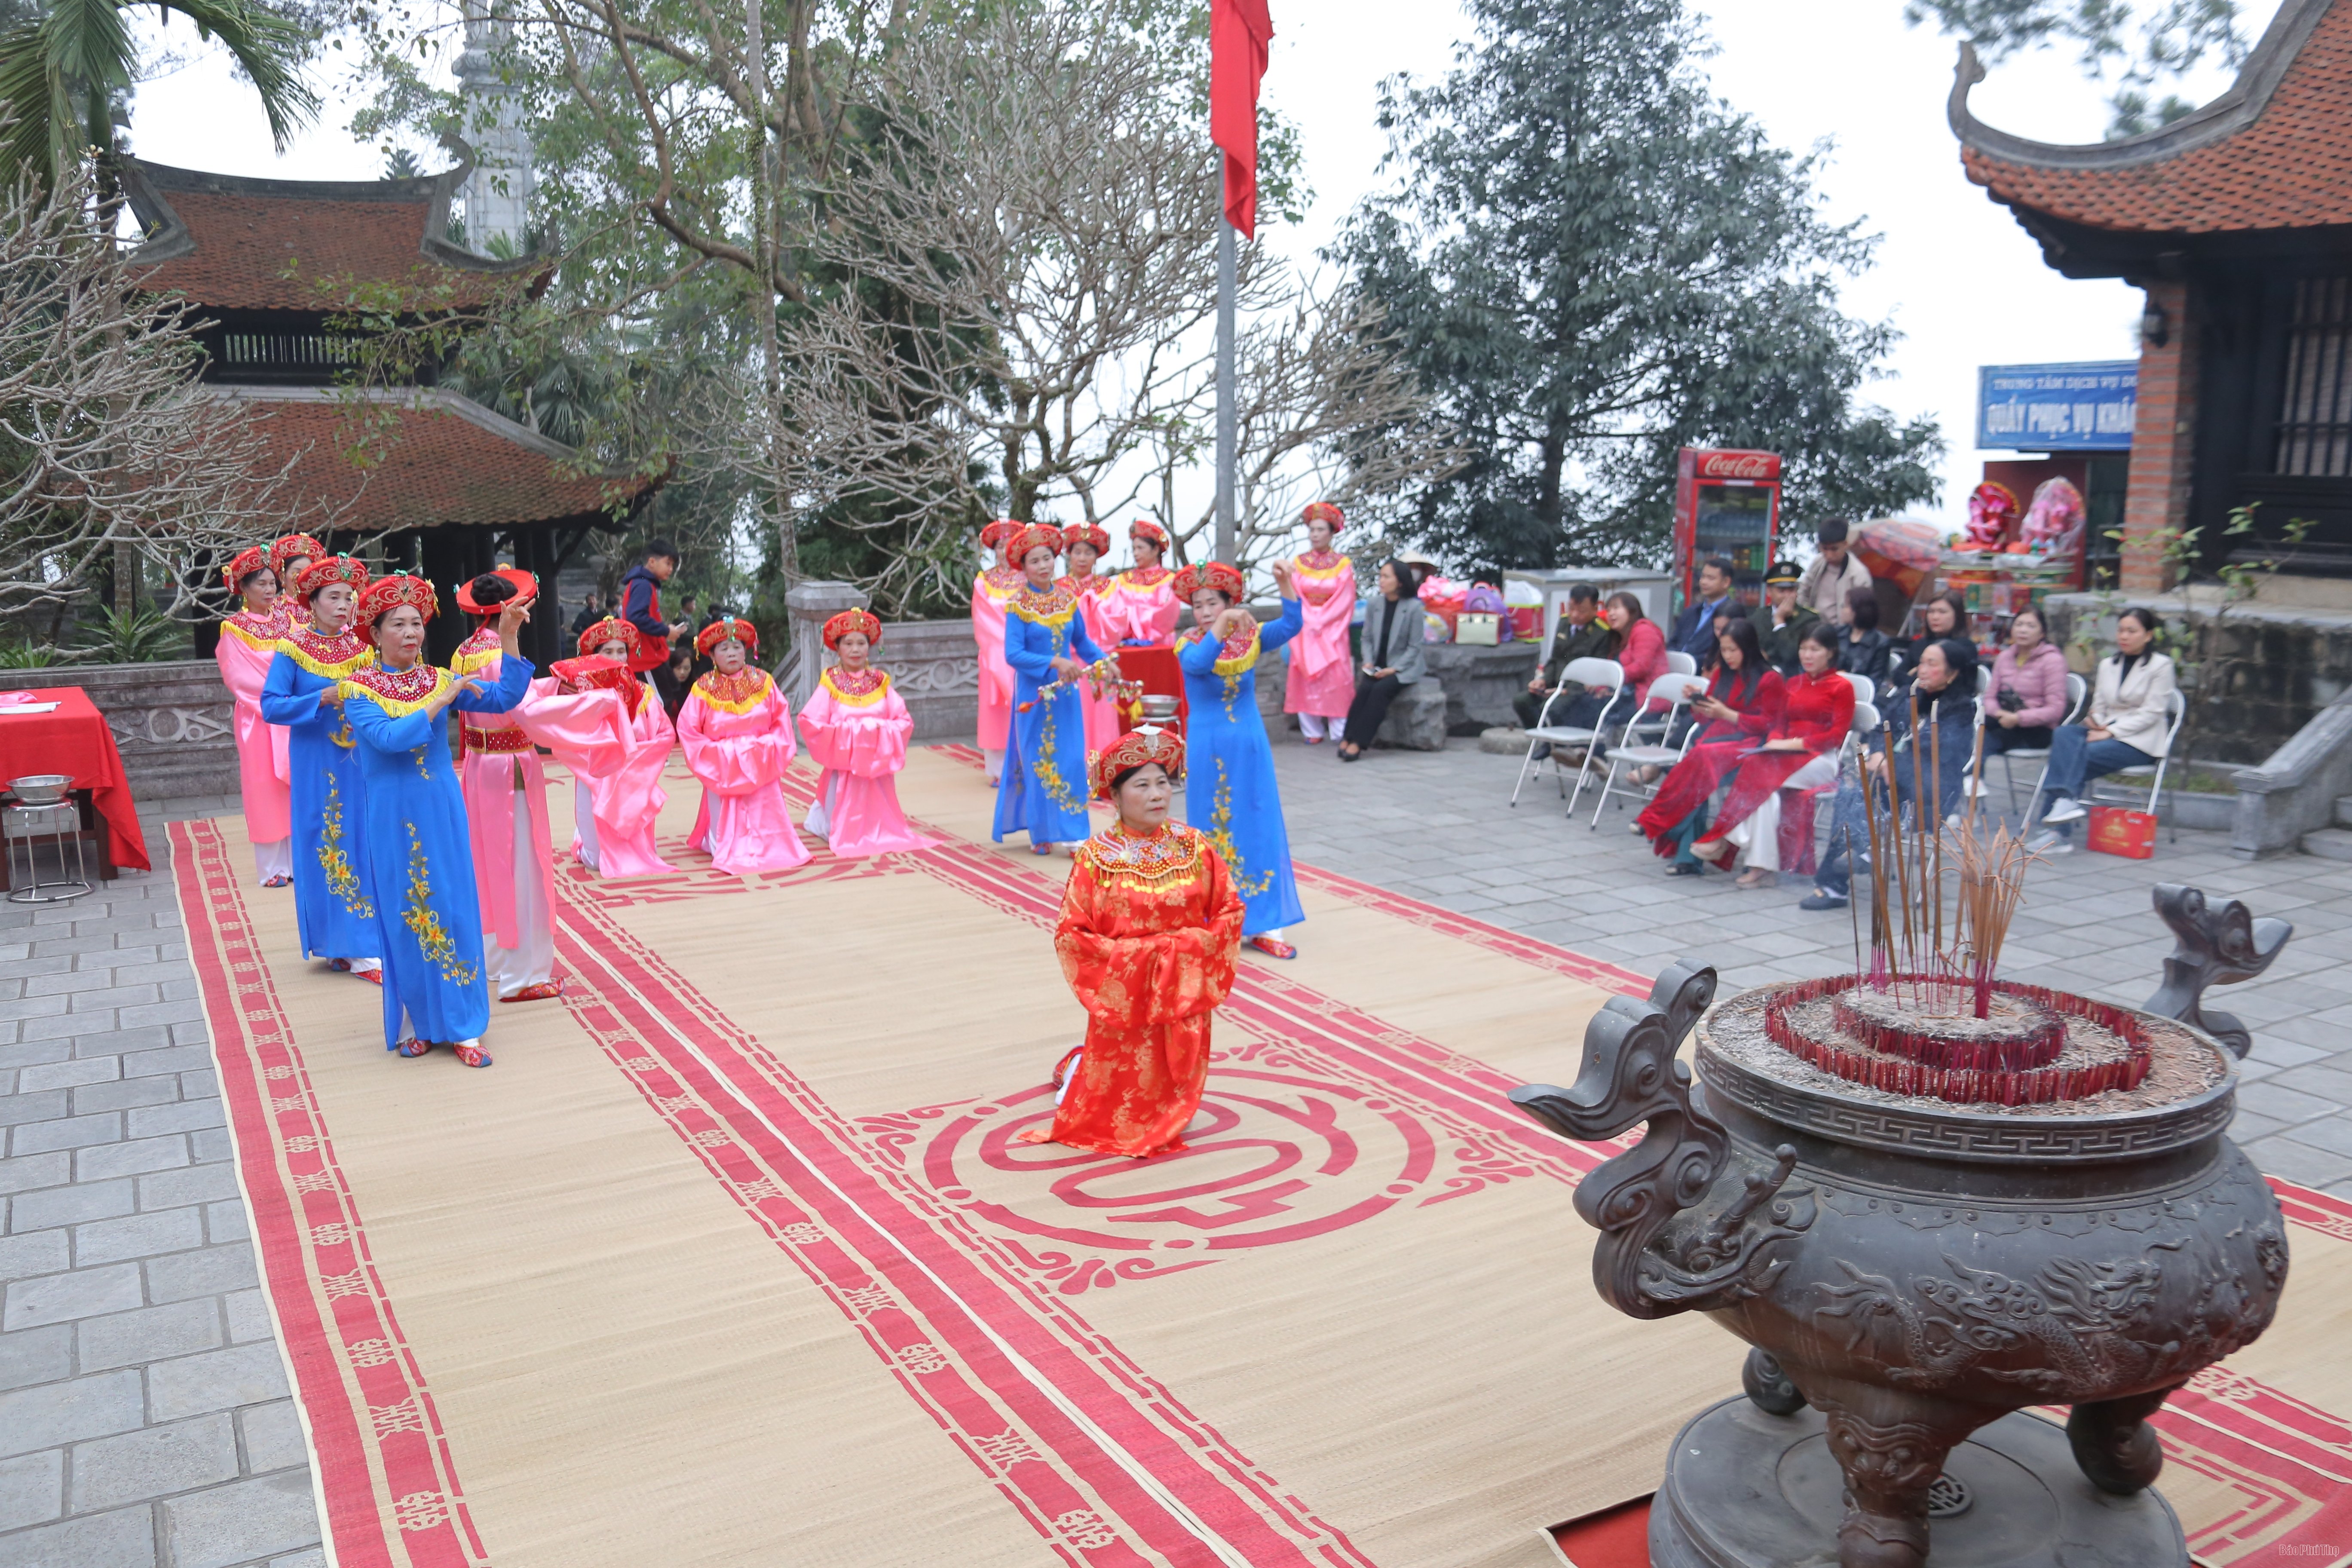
382 1457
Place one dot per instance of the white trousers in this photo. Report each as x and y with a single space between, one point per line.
993 762
584 823
1758 837
533 963
820 811
1315 726
274 859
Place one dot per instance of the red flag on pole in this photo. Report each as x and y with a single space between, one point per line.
1239 31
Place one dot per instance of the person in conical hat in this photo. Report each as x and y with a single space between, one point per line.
857 728
1321 681
1230 793
1148 934
248 642
420 852
327 788
738 733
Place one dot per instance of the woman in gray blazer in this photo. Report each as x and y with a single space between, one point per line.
1395 628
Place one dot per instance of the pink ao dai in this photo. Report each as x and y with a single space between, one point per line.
857 728
738 733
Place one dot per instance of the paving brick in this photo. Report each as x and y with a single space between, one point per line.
71 1206
113 998
32 1488
186 1010
63 1026
93 1098
2283 1156
98 941
135 1158
208 1144
124 1539
193 1184
172 1059
60 1298
36 1355
155 1462
192 1034
225 1221
2268 1099
214 1380
21 1107
139 1235
151 1333
312 1559
69 1074
33 1007
37 1252
68 1132
248 1316
200 1085
122 1042
36 1171
17 1052
186 1116
273 1437
54 1413
239 1522
208 1272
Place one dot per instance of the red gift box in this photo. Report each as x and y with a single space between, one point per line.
2117 830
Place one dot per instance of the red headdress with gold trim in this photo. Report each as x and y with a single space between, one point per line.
994 533
1133 750
1323 511
1215 574
294 546
333 569
247 562
1018 545
849 621
1079 533
386 594
612 628
1143 528
734 628
526 589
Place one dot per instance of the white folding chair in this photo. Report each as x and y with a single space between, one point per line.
2078 697
1675 688
2176 709
1580 673
1969 787
1681 664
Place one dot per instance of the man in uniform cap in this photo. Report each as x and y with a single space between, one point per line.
1786 616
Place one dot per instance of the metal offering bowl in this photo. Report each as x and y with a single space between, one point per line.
41 789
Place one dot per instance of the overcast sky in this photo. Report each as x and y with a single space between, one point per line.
1954 272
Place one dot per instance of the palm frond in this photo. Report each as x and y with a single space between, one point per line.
268 46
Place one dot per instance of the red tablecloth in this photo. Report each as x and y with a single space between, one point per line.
72 738
1156 671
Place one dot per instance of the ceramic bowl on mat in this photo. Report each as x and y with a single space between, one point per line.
41 789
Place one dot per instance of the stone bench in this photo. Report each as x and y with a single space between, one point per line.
1416 720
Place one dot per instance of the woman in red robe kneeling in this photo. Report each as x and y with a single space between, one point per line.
1149 933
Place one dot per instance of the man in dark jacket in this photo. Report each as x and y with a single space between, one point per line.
1582 634
1694 628
1785 623
590 612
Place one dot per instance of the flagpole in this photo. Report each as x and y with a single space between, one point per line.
1228 544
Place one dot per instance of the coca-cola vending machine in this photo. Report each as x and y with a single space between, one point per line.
1726 503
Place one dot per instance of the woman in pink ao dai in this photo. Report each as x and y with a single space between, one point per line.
738 733
857 728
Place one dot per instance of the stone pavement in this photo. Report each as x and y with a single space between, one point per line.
144 1421
1438 825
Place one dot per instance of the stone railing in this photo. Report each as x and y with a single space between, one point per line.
172 721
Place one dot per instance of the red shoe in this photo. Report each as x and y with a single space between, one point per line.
338 965
373 976
278 882
472 1056
414 1048
1272 949
545 990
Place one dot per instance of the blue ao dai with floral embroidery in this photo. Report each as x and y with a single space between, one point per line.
1043 790
420 853
1229 788
328 792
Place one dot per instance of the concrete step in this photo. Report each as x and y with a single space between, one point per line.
2329 844
2344 811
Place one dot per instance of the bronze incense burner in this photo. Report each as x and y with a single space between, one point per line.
1926 1214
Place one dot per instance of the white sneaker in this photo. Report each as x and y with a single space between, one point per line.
2067 809
2049 843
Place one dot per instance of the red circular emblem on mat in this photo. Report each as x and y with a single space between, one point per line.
1271 1157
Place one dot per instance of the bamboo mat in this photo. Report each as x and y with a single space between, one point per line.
732 1257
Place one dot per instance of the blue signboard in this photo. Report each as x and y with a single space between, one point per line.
2057 407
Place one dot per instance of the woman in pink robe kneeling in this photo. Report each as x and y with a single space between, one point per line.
616 799
857 728
738 733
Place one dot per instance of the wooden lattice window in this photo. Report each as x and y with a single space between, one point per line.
2314 428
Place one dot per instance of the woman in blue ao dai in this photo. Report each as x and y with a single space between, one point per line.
420 854
328 791
1229 789
1043 789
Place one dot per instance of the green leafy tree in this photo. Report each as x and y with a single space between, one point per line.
66 70
1591 260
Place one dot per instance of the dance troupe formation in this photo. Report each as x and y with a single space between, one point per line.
435 880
